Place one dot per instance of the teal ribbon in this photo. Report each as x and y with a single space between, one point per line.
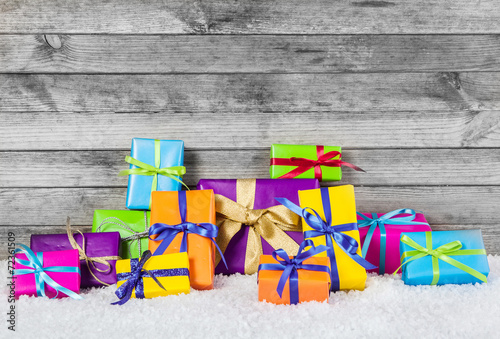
380 222
35 264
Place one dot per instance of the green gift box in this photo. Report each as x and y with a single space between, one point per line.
133 227
307 162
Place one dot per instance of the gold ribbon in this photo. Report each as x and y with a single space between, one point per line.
89 260
269 223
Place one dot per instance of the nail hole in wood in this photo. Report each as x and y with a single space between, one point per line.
53 41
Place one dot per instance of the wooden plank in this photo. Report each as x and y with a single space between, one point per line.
491 234
211 130
248 54
247 16
384 167
461 205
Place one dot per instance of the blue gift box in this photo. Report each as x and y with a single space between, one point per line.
171 153
456 247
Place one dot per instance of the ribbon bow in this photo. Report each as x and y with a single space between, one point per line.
289 266
135 236
441 253
134 279
35 264
166 233
380 222
332 234
304 164
89 260
173 172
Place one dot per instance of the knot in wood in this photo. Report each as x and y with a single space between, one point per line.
52 40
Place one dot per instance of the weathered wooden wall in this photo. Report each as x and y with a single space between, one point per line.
410 89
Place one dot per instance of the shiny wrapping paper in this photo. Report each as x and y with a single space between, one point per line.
201 250
255 194
96 245
351 276
139 186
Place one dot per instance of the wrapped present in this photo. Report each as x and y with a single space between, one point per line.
304 161
152 276
251 222
54 274
444 257
329 218
133 227
155 165
98 253
380 234
185 221
288 280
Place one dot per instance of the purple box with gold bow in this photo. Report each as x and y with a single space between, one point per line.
251 222
155 165
306 161
380 234
98 253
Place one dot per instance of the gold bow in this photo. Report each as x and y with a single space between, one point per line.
269 223
89 260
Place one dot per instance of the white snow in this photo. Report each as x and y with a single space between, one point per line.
386 309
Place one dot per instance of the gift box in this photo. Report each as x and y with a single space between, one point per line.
55 274
331 221
98 253
305 161
155 165
308 278
152 276
251 222
444 257
185 221
380 234
133 227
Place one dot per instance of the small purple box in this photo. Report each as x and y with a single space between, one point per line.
96 245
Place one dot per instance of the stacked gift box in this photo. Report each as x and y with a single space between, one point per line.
302 240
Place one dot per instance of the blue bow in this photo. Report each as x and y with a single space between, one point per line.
166 233
35 262
290 267
321 227
380 222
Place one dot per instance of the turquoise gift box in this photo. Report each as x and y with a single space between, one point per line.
166 155
443 257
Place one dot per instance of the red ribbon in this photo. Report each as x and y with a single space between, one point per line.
303 164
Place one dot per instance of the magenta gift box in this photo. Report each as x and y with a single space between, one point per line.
25 284
393 235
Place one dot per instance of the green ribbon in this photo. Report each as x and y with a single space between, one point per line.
441 253
145 169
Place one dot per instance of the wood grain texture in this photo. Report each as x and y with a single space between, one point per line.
420 167
461 205
250 16
212 130
238 93
248 54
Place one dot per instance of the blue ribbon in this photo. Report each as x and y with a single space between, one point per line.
137 272
380 222
290 267
166 233
332 234
35 264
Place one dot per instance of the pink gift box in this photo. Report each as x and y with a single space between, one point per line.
393 235
25 284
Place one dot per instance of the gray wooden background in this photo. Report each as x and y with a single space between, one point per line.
410 89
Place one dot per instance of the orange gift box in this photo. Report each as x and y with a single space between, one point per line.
200 208
313 285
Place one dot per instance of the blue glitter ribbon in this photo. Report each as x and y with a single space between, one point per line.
290 267
35 264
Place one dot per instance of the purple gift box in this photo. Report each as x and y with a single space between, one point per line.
265 192
106 244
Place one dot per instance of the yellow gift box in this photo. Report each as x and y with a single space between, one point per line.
171 270
351 275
